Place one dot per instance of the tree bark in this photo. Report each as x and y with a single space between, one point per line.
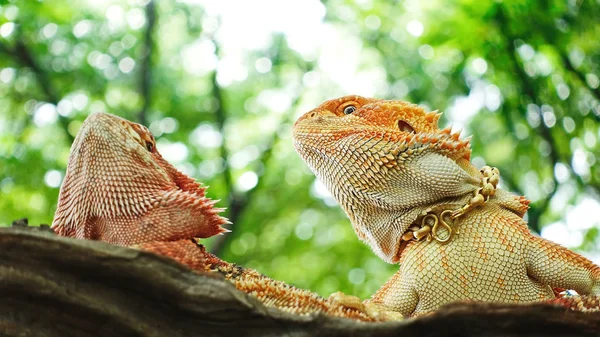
55 286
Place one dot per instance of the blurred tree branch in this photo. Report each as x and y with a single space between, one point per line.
579 75
21 54
221 117
238 203
509 122
529 87
146 61
553 38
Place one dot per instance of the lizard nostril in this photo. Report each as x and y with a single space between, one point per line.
313 114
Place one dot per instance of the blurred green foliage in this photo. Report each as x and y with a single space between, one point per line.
220 83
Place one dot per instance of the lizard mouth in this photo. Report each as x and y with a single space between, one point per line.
309 143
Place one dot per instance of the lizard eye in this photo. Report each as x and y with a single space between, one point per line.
149 146
349 109
405 127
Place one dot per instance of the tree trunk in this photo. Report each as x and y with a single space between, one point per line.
55 286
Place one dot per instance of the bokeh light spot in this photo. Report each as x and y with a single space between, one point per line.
356 276
7 29
206 136
263 65
81 28
173 152
415 28
479 65
45 114
126 64
247 181
53 178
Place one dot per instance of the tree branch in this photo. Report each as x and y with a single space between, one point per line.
146 62
56 286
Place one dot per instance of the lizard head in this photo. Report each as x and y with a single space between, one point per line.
385 162
131 143
118 188
401 124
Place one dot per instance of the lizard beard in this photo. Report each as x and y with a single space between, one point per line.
382 203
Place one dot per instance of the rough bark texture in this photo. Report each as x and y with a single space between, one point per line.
53 286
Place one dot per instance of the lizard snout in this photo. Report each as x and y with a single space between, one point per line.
314 116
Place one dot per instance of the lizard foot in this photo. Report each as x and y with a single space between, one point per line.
375 310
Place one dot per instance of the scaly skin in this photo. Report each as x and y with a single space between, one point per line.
389 166
119 189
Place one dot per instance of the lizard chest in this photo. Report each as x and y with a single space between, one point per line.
485 261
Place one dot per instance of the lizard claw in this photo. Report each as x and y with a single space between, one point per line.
380 312
339 298
375 310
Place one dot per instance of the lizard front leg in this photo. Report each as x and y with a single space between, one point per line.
558 267
393 301
396 295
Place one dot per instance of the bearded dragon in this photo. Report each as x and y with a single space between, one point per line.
413 196
119 189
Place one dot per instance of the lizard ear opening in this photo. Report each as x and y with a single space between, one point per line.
405 127
149 146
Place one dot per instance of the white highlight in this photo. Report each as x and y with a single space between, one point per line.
206 136
319 190
7 29
356 276
126 64
415 28
173 152
579 219
53 178
247 181
45 114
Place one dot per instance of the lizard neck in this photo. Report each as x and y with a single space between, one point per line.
376 215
